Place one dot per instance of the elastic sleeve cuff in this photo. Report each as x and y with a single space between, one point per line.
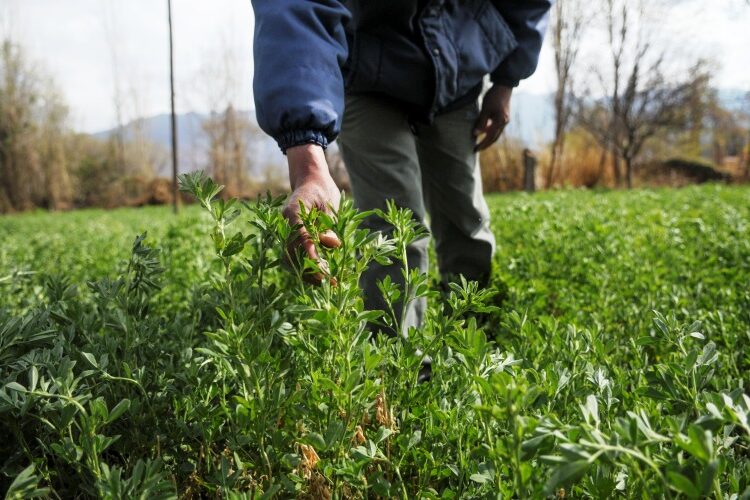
298 137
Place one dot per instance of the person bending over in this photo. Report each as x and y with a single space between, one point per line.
398 82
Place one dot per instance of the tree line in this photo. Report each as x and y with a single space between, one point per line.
624 110
621 112
44 163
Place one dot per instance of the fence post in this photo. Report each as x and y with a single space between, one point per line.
529 171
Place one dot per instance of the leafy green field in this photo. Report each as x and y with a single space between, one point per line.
614 361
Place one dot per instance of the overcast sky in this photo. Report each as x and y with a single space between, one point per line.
75 42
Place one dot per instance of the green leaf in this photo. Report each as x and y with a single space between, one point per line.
315 440
118 410
352 381
381 486
234 246
682 484
485 474
704 438
707 476
480 478
271 492
566 474
662 326
15 386
382 434
26 485
698 443
369 316
361 453
530 446
33 378
91 359
591 410
695 327
708 355
414 439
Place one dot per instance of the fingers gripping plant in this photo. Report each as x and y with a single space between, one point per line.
277 329
299 373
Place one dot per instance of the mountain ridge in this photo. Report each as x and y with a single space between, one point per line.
532 122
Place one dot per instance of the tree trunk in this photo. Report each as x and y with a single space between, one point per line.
616 168
556 155
602 165
718 149
629 172
559 131
529 168
173 115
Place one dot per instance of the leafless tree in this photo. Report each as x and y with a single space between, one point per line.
567 27
33 163
18 159
637 99
619 34
647 105
228 159
110 25
53 155
229 131
134 153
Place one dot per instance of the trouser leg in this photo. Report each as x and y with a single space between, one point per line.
381 159
452 185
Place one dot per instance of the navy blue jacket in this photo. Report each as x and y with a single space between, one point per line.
427 54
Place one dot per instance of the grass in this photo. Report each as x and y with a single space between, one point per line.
189 363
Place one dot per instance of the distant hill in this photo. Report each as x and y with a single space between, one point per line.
532 122
158 129
193 142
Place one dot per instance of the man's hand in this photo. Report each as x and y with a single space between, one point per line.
493 118
313 186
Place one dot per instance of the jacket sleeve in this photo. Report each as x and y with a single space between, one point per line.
528 22
299 47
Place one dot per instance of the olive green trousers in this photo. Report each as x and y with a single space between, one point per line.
431 170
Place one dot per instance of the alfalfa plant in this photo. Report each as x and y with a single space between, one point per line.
275 327
300 370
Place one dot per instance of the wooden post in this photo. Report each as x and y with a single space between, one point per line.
529 171
175 190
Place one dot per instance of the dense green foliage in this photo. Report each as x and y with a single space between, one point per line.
609 358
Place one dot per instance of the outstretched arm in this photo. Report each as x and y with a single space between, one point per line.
299 47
